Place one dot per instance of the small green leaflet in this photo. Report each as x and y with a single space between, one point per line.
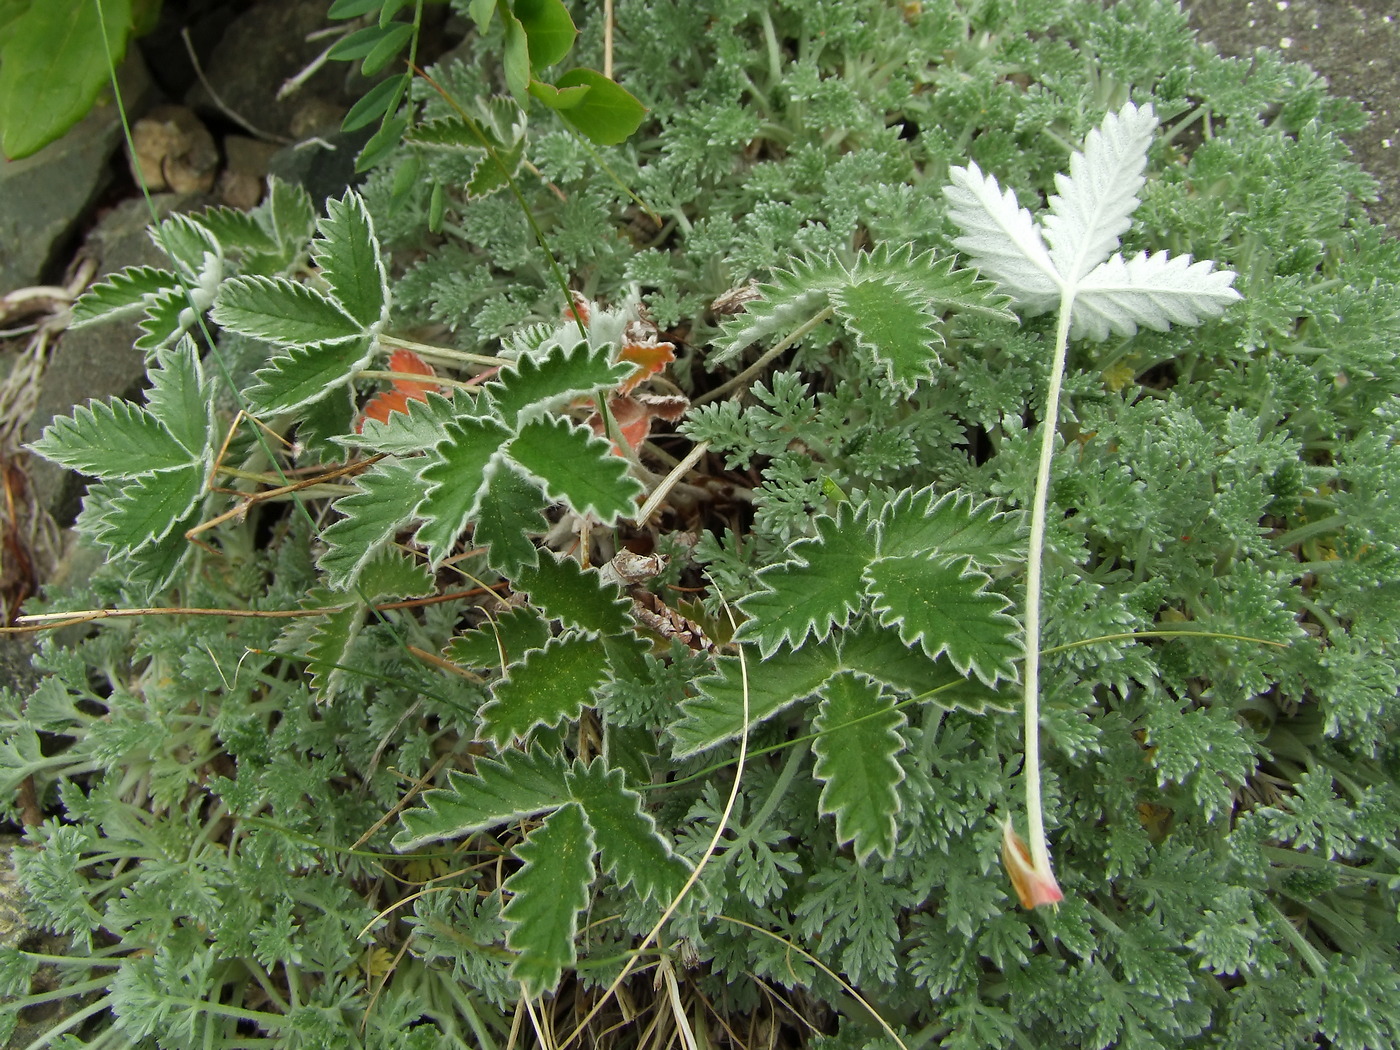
856 763
547 896
566 591
550 685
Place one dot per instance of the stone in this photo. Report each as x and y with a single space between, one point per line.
46 198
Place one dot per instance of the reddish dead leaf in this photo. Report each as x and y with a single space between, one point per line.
396 400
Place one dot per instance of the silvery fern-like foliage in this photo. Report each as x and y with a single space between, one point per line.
1070 257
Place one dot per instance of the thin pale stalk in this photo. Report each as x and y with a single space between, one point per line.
1035 815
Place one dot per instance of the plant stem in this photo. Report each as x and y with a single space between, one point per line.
1035 815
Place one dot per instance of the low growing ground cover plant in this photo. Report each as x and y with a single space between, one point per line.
613 598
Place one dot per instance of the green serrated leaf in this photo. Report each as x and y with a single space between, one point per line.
121 294
501 640
938 280
566 591
283 312
147 509
237 230
820 590
288 216
517 785
880 655
630 848
406 433
578 467
717 714
495 170
454 133
512 510
608 114
550 685
791 299
113 440
394 574
856 763
893 327
949 526
168 316
525 389
943 606
548 895
456 479
182 399
388 494
187 242
329 649
307 374
348 253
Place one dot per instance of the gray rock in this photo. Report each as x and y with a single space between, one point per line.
44 199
